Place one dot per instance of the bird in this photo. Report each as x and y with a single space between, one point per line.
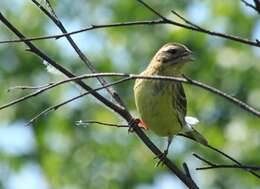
162 105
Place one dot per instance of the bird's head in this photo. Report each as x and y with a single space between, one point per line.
172 56
173 53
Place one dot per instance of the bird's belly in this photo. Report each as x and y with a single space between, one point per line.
155 105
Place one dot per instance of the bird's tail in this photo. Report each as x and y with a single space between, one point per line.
194 134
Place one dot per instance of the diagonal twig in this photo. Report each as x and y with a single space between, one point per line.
62 69
225 155
55 107
256 7
200 29
220 166
81 55
186 169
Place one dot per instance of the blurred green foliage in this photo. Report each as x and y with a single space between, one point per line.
93 157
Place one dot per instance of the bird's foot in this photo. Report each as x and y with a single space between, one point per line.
161 158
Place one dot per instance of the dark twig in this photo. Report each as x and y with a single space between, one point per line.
186 169
55 107
256 7
79 123
217 166
225 155
204 160
60 68
81 55
194 27
185 20
234 166
29 87
92 27
232 159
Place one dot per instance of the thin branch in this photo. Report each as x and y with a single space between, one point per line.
162 20
186 80
194 27
47 87
204 160
81 55
186 169
92 27
79 123
218 166
62 69
29 87
249 4
185 20
256 7
55 107
234 166
223 154
232 159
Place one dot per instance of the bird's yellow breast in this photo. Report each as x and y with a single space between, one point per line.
154 101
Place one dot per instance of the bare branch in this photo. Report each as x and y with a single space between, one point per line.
256 7
186 169
185 20
204 160
218 166
81 55
79 123
223 154
92 27
186 80
62 69
29 87
197 28
232 159
162 20
153 10
55 107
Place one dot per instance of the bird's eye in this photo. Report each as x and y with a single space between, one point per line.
172 51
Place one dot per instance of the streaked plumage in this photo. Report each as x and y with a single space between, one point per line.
162 104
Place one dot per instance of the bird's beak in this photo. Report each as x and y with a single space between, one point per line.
188 55
191 56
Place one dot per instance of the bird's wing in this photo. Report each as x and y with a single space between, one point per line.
180 102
